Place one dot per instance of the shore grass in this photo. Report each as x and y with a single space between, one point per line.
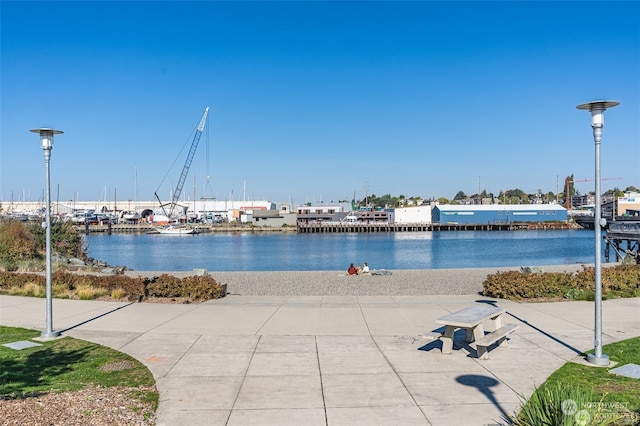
613 396
66 365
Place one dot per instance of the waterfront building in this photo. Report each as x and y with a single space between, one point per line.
274 218
497 213
583 200
629 204
414 214
311 212
213 210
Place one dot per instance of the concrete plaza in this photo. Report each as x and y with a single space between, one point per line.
329 360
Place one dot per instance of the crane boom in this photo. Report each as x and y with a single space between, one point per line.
187 163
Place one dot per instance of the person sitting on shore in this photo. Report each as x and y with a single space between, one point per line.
352 270
358 269
365 268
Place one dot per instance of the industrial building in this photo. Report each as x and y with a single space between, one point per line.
497 213
413 214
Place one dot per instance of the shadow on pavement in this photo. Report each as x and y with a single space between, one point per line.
484 385
539 330
95 318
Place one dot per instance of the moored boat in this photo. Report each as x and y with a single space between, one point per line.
177 230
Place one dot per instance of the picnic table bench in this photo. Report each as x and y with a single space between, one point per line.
471 319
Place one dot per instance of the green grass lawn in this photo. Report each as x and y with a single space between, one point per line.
67 364
612 394
617 388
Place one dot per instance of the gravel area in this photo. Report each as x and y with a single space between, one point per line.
87 407
414 282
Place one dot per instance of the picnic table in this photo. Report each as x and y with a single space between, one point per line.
472 319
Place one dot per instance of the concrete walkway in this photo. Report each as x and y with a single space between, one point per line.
246 360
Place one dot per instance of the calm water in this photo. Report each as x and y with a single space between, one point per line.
297 252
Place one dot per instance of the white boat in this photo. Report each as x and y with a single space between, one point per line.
174 230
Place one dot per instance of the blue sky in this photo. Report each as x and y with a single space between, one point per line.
316 101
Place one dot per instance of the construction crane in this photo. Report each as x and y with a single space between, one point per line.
185 168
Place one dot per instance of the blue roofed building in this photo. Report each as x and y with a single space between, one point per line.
498 213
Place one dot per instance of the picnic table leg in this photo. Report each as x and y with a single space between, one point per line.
498 321
478 333
447 339
468 335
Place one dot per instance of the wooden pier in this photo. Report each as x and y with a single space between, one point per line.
333 227
116 229
624 238
202 228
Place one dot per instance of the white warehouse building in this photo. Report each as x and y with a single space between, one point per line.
414 214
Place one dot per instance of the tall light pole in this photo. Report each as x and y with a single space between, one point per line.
46 137
597 109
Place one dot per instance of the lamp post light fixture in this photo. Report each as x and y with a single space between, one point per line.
597 109
46 137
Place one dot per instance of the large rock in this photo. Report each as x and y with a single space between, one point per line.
56 258
77 262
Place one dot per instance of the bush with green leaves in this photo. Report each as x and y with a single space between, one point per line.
17 244
66 240
25 244
68 285
197 287
617 281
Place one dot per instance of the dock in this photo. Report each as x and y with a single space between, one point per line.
115 229
336 227
151 229
623 237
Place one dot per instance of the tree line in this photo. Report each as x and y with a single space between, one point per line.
510 196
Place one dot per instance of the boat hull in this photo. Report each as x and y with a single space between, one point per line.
177 231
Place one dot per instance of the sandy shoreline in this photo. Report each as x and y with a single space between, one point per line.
418 282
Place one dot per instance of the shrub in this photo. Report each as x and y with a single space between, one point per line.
575 294
14 291
30 265
11 279
16 243
518 285
60 291
87 286
22 245
90 292
66 240
617 281
8 265
164 286
200 287
118 293
32 289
